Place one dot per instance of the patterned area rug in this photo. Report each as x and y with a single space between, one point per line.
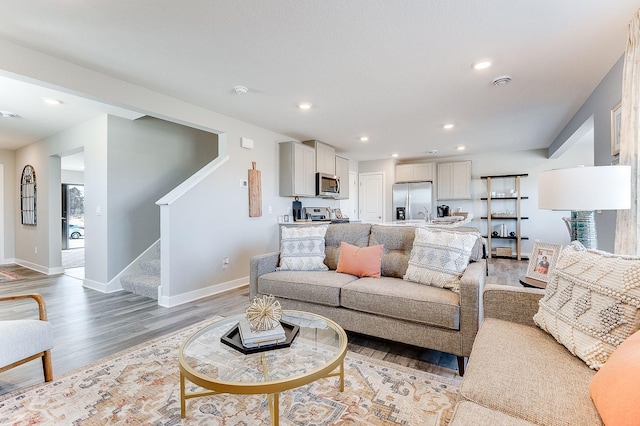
9 276
141 386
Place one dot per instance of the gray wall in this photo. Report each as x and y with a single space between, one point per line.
7 159
598 107
147 158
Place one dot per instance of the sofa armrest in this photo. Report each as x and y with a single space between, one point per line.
259 265
515 304
471 287
42 307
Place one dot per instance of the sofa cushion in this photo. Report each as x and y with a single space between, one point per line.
395 298
616 386
322 287
360 261
468 413
439 257
591 303
523 372
356 234
302 248
397 242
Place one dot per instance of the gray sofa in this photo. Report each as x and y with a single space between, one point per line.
520 375
387 307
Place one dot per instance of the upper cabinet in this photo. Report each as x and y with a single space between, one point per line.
297 170
454 181
342 171
414 172
325 157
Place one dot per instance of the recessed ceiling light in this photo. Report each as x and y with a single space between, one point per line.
481 65
448 126
364 138
394 155
8 114
461 148
51 101
305 105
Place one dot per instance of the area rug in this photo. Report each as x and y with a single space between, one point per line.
140 386
9 276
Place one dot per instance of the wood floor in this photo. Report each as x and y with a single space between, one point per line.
89 325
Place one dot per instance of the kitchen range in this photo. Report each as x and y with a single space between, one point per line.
323 214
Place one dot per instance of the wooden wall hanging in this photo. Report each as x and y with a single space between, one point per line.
28 196
255 192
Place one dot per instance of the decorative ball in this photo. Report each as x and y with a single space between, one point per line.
264 313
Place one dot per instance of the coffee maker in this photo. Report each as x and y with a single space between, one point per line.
443 211
296 208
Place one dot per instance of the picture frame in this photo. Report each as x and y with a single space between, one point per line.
542 261
338 213
616 115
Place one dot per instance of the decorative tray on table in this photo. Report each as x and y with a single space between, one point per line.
232 338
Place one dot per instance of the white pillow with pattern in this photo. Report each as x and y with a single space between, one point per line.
592 302
302 248
439 257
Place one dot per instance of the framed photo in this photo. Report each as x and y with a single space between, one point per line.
616 114
543 259
338 213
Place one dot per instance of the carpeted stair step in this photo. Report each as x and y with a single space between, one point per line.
142 284
150 266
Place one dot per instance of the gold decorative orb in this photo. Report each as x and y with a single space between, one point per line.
264 313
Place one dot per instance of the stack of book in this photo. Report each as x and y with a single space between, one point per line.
255 339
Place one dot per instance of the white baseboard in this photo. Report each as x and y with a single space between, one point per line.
39 268
110 287
170 301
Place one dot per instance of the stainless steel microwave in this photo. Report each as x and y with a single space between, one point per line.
327 185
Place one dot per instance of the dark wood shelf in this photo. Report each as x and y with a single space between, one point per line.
504 176
505 198
505 218
506 238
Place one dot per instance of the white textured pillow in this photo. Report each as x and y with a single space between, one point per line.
302 248
439 257
591 303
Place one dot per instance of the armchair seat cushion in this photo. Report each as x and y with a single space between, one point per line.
396 298
20 339
516 369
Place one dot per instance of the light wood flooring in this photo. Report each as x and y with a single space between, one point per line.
89 325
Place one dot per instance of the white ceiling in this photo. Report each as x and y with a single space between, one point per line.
393 70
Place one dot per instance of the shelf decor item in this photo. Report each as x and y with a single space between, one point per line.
543 259
264 313
582 190
616 114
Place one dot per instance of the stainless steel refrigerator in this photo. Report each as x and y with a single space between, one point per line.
412 201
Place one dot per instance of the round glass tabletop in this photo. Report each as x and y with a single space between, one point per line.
318 349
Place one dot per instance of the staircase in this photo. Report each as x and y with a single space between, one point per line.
146 279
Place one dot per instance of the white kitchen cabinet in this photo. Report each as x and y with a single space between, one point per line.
414 172
325 157
297 170
342 171
454 181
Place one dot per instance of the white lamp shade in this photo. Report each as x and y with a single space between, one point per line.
585 188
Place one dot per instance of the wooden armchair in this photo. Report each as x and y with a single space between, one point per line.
23 340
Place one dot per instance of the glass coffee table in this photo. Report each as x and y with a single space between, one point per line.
318 351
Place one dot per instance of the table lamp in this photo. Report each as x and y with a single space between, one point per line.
582 190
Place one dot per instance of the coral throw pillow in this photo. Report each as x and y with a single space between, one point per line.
616 386
360 261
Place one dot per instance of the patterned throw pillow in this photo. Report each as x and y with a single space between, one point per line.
591 303
302 248
439 257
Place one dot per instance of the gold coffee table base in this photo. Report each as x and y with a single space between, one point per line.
270 387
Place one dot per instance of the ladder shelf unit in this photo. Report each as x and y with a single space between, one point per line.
491 217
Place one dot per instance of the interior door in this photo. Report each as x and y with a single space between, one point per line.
372 197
